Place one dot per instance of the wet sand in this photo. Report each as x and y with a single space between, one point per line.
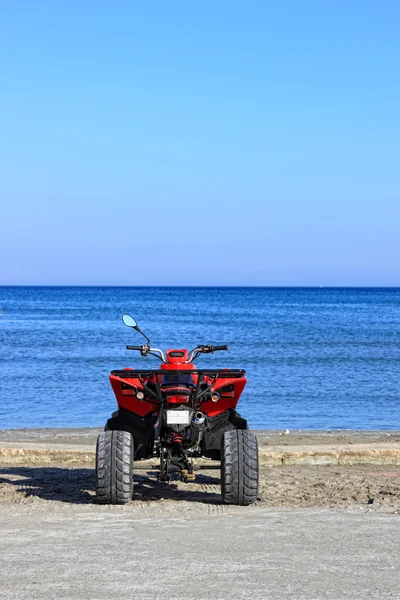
89 435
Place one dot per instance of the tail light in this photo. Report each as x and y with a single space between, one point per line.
131 390
228 391
177 399
128 390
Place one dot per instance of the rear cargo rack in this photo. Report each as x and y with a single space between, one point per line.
221 373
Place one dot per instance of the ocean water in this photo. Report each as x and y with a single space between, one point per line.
315 358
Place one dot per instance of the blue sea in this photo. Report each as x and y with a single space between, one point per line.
315 358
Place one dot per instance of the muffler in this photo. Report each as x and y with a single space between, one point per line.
199 418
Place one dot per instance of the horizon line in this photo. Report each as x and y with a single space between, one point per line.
211 286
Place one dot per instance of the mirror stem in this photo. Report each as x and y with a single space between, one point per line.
143 334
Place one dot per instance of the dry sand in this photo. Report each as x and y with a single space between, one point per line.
376 487
317 486
317 532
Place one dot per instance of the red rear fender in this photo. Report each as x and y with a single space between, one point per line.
128 401
230 391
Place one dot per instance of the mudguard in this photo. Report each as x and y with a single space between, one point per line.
216 427
141 429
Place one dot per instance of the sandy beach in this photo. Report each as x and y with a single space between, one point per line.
44 466
317 531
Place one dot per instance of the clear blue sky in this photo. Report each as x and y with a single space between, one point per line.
217 143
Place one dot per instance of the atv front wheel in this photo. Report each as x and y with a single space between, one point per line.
239 467
114 467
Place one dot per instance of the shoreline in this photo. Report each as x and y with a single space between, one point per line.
267 437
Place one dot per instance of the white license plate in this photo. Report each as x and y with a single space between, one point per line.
178 417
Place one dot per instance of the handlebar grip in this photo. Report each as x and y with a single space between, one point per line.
134 348
225 347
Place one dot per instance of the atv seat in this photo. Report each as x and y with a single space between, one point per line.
177 390
181 381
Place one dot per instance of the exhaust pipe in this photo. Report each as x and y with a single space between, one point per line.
199 418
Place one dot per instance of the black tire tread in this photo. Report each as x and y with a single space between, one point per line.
239 467
114 467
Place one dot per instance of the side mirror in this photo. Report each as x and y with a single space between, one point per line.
129 321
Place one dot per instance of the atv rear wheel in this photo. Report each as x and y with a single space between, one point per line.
114 467
239 467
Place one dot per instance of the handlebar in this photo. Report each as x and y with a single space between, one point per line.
204 350
145 350
207 349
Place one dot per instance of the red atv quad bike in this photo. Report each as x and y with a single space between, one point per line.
176 413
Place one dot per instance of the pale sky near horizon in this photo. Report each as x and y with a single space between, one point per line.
191 143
